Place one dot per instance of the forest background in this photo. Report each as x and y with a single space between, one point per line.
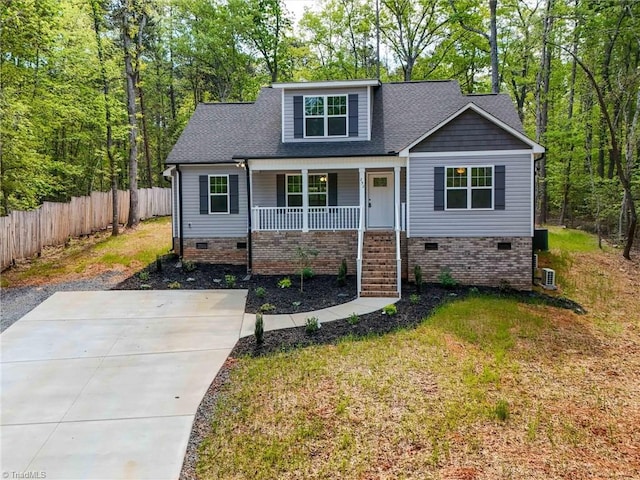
94 93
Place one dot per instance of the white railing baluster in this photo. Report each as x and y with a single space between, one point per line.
320 218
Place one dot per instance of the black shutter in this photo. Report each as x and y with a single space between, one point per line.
353 115
280 187
333 189
298 117
438 191
499 187
204 194
234 196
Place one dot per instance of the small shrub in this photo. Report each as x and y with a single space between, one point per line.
303 257
390 310
188 265
501 410
144 276
417 273
474 291
267 307
353 319
504 286
445 278
414 299
230 280
284 283
261 292
296 304
342 273
259 329
174 285
312 325
308 273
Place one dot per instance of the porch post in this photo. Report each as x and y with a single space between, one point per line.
361 176
362 197
396 194
305 200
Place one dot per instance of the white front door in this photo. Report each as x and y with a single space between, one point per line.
380 200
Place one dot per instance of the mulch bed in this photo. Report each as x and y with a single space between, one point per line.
320 292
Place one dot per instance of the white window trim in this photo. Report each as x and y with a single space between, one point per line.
469 188
219 195
325 116
286 186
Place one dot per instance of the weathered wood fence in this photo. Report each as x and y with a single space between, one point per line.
23 234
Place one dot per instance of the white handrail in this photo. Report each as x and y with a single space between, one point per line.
319 218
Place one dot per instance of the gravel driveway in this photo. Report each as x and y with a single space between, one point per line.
17 302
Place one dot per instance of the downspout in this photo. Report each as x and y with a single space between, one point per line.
249 218
180 210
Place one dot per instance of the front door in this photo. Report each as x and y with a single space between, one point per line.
380 200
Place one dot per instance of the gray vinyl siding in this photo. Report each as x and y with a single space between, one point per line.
196 225
514 220
265 190
469 132
363 100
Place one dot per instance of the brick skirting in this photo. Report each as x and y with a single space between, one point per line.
274 252
474 260
216 250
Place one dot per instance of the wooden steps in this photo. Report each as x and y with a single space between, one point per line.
379 276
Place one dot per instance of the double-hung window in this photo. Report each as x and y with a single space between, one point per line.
218 193
317 190
325 116
469 188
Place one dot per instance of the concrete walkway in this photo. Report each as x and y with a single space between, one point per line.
359 306
105 385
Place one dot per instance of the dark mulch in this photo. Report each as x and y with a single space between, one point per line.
377 323
321 291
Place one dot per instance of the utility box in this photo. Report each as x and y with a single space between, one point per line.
540 239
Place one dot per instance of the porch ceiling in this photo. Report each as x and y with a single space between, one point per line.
346 163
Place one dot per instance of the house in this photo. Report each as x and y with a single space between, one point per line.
387 176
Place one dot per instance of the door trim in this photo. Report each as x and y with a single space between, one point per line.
392 187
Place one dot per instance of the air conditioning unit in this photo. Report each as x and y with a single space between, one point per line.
535 261
548 279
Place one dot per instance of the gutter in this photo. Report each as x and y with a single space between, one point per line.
180 224
249 217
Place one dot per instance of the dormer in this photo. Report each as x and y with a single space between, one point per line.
331 111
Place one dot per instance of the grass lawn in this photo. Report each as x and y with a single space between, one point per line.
485 388
92 255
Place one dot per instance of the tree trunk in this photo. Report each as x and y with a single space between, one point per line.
493 46
145 138
130 74
113 170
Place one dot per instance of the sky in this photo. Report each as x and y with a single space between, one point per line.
296 7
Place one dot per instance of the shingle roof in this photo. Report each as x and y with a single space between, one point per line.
402 113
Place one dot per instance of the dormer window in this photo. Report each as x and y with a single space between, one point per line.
325 116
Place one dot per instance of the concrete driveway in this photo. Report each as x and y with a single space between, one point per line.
105 385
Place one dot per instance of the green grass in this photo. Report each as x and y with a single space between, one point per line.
568 240
340 411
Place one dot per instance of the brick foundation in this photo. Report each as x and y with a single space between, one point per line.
474 260
274 252
218 250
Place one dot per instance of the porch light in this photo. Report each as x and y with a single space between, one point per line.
461 170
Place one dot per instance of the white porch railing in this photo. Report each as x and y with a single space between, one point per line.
319 218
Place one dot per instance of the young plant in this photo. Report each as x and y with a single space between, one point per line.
267 307
417 273
501 410
445 278
261 292
188 265
390 310
144 276
342 273
296 304
174 285
307 273
304 257
353 319
230 280
414 299
284 282
312 325
259 329
158 263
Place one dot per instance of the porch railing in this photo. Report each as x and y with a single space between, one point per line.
318 218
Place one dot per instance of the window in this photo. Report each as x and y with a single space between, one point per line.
317 190
469 188
218 194
325 116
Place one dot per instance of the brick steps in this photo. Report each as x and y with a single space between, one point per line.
379 276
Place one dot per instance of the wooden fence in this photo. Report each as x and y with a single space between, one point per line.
24 234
